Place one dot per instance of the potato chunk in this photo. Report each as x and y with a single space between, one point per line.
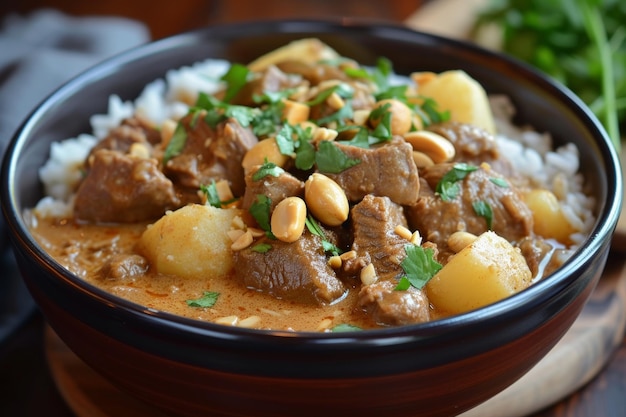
190 242
458 93
548 218
487 270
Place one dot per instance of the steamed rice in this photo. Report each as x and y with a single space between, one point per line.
170 99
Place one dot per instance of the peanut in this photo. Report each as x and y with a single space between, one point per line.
435 146
326 200
288 219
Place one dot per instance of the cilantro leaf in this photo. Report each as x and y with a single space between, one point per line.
305 155
500 182
483 209
447 188
236 77
208 300
315 229
260 210
176 143
284 140
212 195
344 327
268 168
419 265
261 247
330 159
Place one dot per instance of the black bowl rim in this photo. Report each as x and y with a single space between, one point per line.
527 299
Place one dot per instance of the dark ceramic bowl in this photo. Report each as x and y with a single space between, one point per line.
192 368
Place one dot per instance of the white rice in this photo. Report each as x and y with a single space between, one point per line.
170 98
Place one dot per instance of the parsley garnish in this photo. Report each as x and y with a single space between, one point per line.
419 267
284 140
428 112
268 168
340 116
344 90
212 196
260 210
176 143
448 187
500 182
315 229
261 247
330 159
236 77
208 299
344 327
483 209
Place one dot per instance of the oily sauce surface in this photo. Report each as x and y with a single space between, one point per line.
84 248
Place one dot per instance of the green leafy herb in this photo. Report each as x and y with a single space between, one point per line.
261 247
581 43
212 195
260 210
305 155
268 168
176 143
448 188
236 77
419 266
483 209
339 117
500 182
208 300
313 226
382 132
403 284
342 89
330 159
429 113
345 328
284 140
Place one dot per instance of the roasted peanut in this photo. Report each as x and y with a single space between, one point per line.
422 160
401 116
459 240
326 200
438 148
242 241
264 150
368 275
288 219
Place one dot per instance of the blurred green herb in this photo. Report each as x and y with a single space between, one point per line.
581 43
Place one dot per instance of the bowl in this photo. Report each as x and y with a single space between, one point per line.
188 367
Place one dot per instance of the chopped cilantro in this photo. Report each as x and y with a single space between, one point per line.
208 299
344 90
260 210
483 209
313 226
448 187
428 112
419 266
212 196
500 182
382 132
330 159
261 247
404 284
273 97
344 327
397 91
236 77
284 140
346 112
176 143
305 155
268 168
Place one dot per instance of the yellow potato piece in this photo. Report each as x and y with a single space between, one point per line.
549 220
190 242
308 50
487 270
458 93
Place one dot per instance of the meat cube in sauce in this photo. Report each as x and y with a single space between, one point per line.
296 271
390 307
121 188
386 170
437 218
276 188
211 154
374 220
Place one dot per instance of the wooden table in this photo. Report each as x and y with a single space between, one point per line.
605 395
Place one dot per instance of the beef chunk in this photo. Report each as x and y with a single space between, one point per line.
123 137
387 170
390 307
211 154
437 219
374 220
275 188
270 80
473 145
295 271
124 267
123 189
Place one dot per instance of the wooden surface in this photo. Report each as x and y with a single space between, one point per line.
605 392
